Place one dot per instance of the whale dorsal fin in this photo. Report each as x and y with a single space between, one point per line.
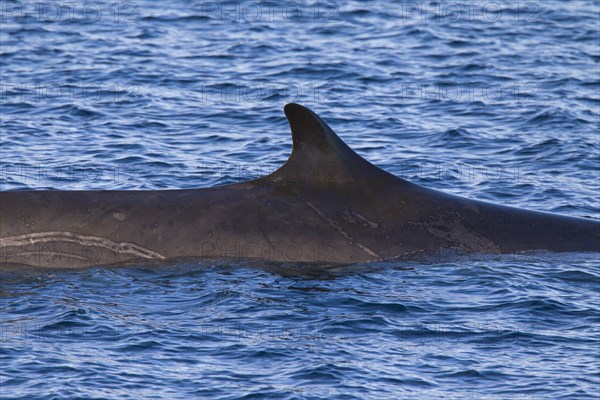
319 157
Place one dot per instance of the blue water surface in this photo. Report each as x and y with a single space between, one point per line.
497 100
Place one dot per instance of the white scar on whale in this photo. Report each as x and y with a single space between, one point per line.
83 240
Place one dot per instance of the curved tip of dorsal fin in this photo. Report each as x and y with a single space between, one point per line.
310 131
310 134
319 156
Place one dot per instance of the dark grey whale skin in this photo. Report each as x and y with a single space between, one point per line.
326 204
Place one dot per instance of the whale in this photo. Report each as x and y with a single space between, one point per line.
326 204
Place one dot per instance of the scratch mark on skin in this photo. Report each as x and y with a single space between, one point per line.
452 229
48 254
340 230
91 241
350 215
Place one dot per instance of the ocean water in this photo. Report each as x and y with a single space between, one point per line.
493 100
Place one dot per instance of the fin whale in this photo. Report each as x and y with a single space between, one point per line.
326 204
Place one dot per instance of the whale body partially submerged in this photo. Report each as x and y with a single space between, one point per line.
326 204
